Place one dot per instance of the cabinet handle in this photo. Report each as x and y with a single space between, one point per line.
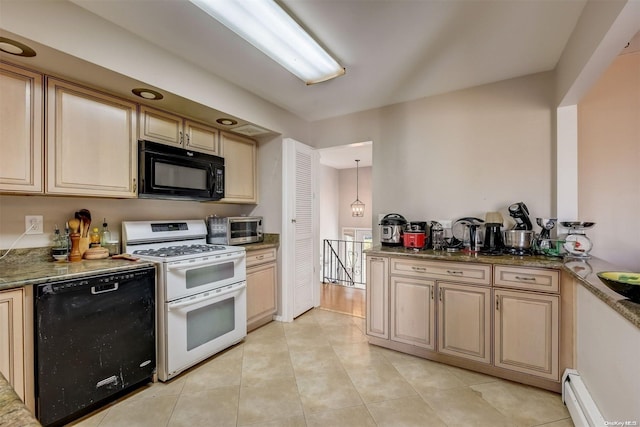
455 272
422 269
188 139
497 302
440 295
135 186
181 137
526 279
431 293
260 257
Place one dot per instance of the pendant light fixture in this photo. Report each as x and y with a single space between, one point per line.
357 207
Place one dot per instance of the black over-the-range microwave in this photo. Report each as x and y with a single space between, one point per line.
166 172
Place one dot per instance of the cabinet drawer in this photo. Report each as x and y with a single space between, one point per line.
460 272
261 256
527 278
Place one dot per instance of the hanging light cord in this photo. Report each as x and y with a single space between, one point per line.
357 196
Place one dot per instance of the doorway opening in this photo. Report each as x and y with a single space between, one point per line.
343 237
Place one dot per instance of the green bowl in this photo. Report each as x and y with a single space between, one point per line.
625 283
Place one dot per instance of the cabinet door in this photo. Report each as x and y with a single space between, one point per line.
413 312
160 126
199 137
21 137
261 294
377 297
91 144
12 340
464 323
526 330
240 168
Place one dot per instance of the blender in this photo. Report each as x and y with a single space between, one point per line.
544 244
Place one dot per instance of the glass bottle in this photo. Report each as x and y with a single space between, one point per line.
94 238
105 234
60 248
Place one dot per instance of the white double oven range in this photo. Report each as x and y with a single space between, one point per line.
200 292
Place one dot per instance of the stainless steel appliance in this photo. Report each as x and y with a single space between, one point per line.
202 305
520 213
234 230
95 340
391 229
166 172
519 242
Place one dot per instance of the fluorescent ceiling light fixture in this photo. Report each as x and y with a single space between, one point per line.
269 28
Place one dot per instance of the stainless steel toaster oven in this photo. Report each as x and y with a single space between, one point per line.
234 230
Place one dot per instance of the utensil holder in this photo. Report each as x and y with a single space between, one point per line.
83 245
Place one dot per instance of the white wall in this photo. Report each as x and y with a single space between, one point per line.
608 162
348 195
459 154
329 189
607 347
57 210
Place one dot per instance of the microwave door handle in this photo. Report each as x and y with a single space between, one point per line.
212 295
189 265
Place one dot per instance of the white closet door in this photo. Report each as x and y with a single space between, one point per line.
300 229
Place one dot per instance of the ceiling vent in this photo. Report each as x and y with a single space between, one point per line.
250 130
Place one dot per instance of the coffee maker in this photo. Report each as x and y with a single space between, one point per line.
493 244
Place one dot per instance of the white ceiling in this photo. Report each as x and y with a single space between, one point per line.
393 50
345 156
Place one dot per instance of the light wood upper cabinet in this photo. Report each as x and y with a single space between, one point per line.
526 332
12 340
413 312
240 168
464 322
21 130
170 129
91 142
377 297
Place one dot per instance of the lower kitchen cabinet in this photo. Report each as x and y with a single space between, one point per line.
262 278
413 316
464 322
377 297
513 322
526 332
16 349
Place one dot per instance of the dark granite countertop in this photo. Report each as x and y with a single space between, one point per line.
270 241
585 271
13 413
35 266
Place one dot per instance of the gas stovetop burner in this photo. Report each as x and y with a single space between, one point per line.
172 251
518 252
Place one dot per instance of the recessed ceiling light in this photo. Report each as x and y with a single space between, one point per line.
227 122
149 94
16 48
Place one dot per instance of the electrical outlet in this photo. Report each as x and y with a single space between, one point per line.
445 223
33 224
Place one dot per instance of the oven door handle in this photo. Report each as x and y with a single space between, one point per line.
187 265
215 294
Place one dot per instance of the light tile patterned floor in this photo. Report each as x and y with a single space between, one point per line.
320 371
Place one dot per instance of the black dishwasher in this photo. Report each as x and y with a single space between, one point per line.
94 341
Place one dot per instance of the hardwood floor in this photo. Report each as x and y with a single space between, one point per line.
343 299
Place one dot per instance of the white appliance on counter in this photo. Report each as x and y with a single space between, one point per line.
201 290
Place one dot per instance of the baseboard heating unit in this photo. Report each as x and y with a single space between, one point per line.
581 406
